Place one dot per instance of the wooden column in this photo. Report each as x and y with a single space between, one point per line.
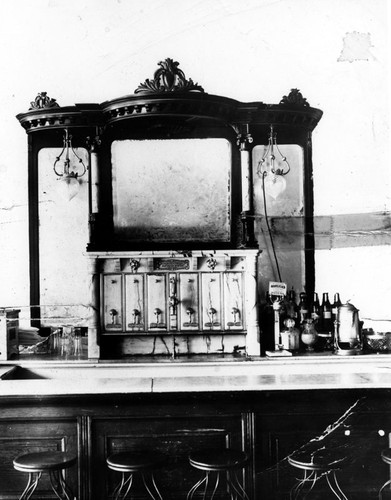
253 347
244 141
94 309
94 189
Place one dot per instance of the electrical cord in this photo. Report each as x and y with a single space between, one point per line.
268 226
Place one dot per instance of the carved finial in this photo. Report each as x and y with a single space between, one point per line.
43 101
295 98
168 78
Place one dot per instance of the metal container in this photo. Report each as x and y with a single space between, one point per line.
347 339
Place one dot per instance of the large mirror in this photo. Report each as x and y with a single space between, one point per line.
63 232
175 190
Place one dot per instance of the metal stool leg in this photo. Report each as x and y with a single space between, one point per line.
152 488
59 485
32 483
122 489
334 486
387 483
308 481
119 487
206 484
195 487
216 486
235 484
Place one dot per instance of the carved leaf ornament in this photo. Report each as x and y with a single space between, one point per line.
43 101
168 78
295 98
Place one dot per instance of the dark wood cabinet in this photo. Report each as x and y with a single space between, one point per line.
268 426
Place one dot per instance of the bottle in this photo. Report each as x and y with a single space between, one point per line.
303 308
290 336
315 309
267 325
292 309
78 343
334 309
326 323
283 310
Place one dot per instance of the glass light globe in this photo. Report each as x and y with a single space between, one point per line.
274 185
68 187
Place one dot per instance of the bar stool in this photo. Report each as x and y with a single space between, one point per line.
214 463
130 463
386 457
53 462
318 463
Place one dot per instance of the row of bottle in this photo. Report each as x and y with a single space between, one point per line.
322 315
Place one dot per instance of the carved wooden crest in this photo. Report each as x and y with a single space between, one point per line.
168 78
294 98
43 101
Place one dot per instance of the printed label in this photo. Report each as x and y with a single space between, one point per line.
277 288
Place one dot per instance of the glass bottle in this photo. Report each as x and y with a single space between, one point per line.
292 308
290 336
325 310
283 310
315 308
267 324
78 343
303 308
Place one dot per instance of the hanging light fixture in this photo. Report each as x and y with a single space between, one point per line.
273 167
67 171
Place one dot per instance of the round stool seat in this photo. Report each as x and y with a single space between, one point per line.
386 456
133 464
44 461
220 473
318 463
322 461
54 464
218 460
133 461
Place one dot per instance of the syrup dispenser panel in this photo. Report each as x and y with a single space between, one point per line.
157 302
112 302
233 301
134 303
211 301
189 301
196 299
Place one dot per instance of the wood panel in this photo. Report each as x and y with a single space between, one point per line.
268 425
18 437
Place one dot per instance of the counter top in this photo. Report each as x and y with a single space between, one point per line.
54 378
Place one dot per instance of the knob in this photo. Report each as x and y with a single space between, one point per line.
235 312
113 313
136 316
157 312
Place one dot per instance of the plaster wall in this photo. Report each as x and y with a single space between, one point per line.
334 51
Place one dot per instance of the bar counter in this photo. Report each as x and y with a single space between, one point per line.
267 407
198 374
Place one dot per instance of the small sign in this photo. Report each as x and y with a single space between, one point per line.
277 288
172 264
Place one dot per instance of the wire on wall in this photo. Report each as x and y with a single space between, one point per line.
268 225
